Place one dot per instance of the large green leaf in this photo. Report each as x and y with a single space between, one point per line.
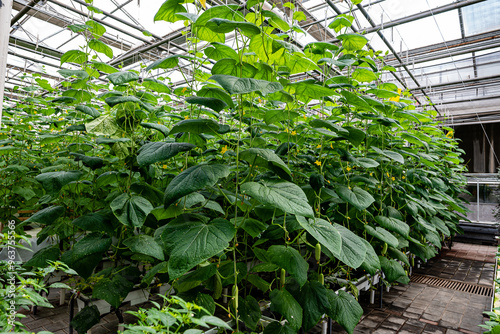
285 196
91 162
289 259
209 102
393 224
266 158
145 244
353 248
168 11
104 125
390 154
235 85
113 290
53 182
74 56
398 255
159 151
40 258
393 270
94 222
344 309
249 311
120 78
86 319
167 62
353 42
224 26
130 210
313 297
218 51
308 89
364 75
101 47
383 235
276 328
359 198
324 233
87 253
193 242
88 110
216 93
196 126
284 303
159 127
371 263
193 179
47 216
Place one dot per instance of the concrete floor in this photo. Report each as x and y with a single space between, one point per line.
413 308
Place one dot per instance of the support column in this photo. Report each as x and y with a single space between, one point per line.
492 164
5 13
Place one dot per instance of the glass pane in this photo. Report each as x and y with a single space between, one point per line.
481 17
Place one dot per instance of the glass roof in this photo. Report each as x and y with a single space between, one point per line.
446 52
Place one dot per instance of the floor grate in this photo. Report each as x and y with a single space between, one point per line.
454 285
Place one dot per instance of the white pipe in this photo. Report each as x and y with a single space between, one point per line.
5 17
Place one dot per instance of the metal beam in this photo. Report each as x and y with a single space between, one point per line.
45 50
381 35
23 11
419 16
479 98
63 22
454 47
5 13
480 80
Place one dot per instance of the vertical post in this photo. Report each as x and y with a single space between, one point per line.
5 13
477 199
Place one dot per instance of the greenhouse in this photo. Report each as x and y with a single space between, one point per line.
260 166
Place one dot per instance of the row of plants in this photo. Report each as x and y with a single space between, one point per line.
492 326
248 178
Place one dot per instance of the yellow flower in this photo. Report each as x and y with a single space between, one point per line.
348 169
305 117
450 134
393 178
371 174
159 122
388 174
317 162
184 90
294 133
319 146
164 166
327 181
224 150
404 177
286 130
186 117
260 101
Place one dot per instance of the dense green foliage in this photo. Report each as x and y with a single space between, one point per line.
244 178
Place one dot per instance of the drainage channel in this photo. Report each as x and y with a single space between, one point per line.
454 285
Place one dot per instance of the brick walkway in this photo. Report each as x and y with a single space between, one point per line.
414 308
420 308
